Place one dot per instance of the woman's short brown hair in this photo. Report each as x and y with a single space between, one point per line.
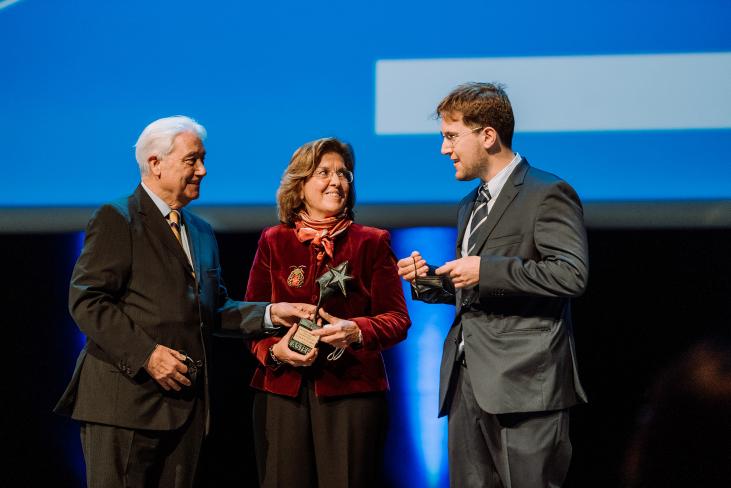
301 167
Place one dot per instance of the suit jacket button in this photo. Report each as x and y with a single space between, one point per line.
465 302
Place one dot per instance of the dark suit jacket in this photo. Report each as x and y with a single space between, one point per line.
375 301
132 288
519 345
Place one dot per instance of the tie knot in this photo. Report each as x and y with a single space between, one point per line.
174 217
483 194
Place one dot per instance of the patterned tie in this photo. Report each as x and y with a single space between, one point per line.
479 216
174 220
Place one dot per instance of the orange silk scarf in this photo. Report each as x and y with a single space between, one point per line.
321 232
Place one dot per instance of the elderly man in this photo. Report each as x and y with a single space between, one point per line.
508 373
147 292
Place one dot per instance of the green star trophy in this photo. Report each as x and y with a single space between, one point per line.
333 280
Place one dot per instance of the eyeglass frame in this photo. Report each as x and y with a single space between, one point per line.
342 174
451 138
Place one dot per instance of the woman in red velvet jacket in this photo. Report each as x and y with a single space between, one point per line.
320 419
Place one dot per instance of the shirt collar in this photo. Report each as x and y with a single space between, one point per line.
496 183
159 202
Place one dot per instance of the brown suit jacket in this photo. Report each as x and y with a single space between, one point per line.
132 288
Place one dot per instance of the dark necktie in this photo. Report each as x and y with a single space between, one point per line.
479 216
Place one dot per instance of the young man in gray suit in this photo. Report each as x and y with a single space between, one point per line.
147 293
508 372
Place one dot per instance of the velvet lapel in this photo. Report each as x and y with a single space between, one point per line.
465 211
158 227
504 199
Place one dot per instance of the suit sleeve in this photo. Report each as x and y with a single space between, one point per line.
239 319
560 268
389 321
259 288
98 282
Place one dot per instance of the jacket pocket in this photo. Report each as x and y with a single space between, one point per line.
503 241
518 326
529 330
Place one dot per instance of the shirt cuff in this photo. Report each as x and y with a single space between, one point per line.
269 326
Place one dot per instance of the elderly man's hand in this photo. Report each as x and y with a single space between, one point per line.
463 272
411 267
287 314
167 368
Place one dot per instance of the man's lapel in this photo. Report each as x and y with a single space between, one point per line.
503 201
158 226
194 241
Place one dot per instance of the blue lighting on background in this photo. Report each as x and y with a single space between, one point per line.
76 457
314 65
418 358
80 338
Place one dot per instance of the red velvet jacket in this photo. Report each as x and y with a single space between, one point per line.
375 301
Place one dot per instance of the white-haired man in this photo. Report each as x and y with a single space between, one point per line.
147 292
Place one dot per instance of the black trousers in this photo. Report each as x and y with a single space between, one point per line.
515 450
130 458
320 442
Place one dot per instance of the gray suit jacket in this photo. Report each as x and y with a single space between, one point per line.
519 345
132 288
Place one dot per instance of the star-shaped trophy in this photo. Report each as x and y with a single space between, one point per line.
330 282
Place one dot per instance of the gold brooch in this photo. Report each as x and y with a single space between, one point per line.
296 277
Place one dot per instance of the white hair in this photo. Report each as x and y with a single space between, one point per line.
157 139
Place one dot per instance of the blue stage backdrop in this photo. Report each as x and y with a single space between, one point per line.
417 449
626 100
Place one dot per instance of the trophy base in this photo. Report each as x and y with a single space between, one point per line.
303 341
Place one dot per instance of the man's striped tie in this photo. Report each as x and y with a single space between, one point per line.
174 220
479 216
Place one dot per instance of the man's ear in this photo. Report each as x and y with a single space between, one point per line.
153 163
490 139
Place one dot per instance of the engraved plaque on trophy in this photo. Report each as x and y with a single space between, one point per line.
331 282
